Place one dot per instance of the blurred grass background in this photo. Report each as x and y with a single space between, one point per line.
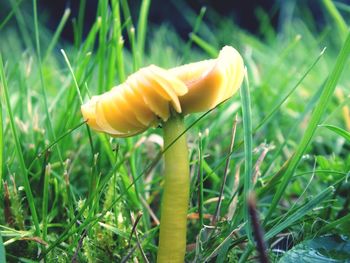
70 194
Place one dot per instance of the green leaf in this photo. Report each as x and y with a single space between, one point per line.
331 248
338 131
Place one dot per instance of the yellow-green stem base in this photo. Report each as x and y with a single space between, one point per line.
173 221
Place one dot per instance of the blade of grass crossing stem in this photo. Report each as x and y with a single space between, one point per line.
299 213
142 29
248 144
42 84
57 33
19 153
103 8
313 123
345 134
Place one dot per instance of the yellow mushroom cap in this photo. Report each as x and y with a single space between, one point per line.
210 82
147 96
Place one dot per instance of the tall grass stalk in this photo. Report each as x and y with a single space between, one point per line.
142 29
248 151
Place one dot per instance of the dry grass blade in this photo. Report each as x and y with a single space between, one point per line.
256 168
217 249
134 230
233 205
150 211
80 244
218 207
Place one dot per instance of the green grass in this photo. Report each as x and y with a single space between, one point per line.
74 193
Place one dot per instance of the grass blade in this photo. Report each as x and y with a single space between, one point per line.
248 157
336 224
76 85
200 182
119 44
131 34
299 213
290 92
339 20
313 123
114 45
196 26
45 204
80 24
10 14
19 153
142 28
42 84
211 51
22 26
345 134
103 8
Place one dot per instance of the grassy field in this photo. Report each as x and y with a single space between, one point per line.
68 194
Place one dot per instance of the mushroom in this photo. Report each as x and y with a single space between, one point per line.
152 96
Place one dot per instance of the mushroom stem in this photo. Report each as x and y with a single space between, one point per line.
172 237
